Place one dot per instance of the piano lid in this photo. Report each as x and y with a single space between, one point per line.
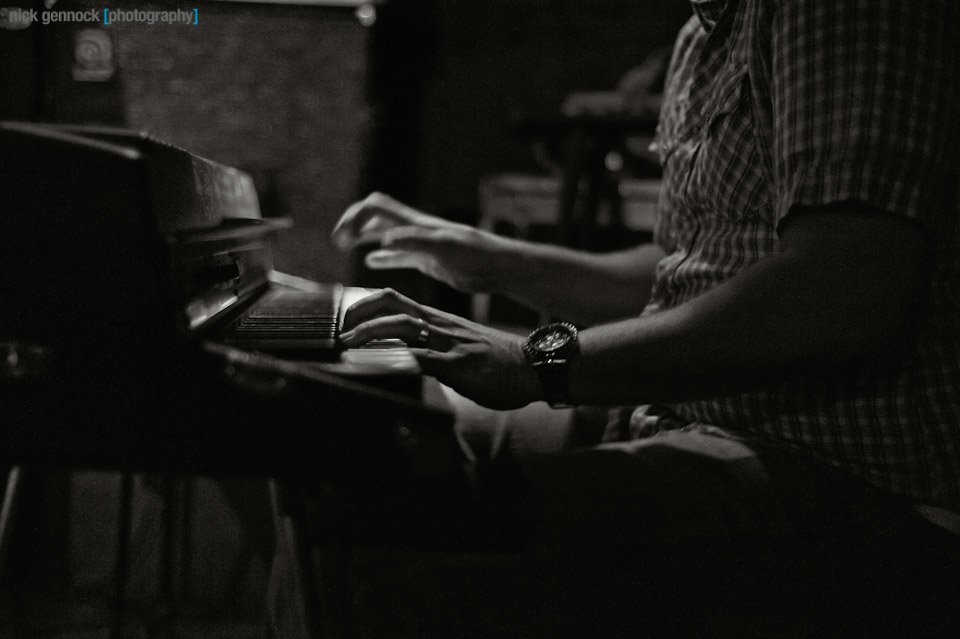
187 193
107 232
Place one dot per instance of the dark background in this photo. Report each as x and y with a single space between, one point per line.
320 109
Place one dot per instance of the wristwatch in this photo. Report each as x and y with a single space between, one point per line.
549 349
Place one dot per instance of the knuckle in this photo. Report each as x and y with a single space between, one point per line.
474 235
441 239
451 236
379 200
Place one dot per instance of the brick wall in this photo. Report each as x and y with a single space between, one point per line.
280 92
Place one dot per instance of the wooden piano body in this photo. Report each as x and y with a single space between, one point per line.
121 259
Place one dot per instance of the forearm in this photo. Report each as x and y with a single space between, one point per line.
790 313
581 287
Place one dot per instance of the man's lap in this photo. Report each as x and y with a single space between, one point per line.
533 429
679 528
697 481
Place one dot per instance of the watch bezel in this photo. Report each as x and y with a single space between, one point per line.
536 355
551 366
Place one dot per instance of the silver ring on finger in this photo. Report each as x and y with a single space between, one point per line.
424 336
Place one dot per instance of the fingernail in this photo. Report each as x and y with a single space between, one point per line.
347 337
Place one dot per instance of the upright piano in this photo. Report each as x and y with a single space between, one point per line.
125 264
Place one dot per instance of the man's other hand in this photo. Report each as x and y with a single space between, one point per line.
456 254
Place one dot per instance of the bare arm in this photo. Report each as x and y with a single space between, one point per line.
841 290
582 287
586 288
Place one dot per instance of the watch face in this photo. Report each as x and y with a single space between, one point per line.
552 341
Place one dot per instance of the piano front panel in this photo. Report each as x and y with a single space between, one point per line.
127 378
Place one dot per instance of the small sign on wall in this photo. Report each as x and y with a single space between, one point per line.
93 56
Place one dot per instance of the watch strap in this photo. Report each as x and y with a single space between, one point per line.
553 381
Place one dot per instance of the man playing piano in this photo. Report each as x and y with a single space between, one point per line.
789 345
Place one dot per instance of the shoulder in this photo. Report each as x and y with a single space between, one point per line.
691 33
688 42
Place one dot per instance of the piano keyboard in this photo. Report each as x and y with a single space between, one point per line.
290 320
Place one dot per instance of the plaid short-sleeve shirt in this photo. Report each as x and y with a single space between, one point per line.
771 104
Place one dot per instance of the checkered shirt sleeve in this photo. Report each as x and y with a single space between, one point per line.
866 104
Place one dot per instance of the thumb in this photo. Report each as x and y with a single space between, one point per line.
376 212
389 259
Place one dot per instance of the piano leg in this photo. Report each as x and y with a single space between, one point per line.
186 528
123 543
293 614
11 501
